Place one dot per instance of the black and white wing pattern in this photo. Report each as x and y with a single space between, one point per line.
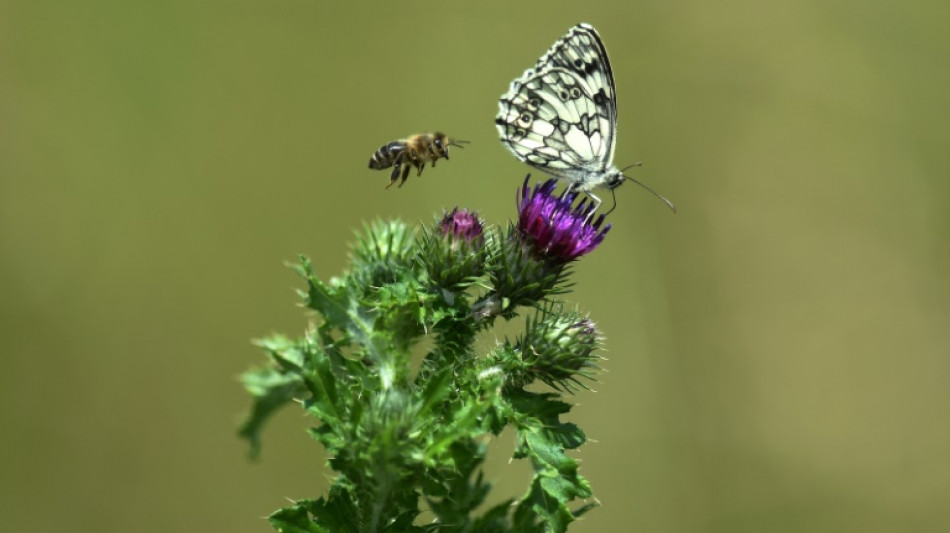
561 115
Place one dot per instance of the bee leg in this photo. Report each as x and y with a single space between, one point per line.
422 165
405 175
397 166
393 177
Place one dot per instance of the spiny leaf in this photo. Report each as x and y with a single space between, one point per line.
295 519
271 388
543 439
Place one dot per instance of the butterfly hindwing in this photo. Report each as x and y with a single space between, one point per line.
582 51
551 122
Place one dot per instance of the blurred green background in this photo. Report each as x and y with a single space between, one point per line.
778 350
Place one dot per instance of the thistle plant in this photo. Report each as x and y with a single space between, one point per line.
407 439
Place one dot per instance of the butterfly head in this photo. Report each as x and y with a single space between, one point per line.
614 178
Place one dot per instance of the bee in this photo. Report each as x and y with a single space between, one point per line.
413 151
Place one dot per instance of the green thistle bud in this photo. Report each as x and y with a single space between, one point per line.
551 232
558 349
382 253
454 252
519 276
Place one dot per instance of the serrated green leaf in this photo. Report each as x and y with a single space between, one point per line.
547 452
543 438
334 304
564 489
345 312
567 435
468 421
539 511
295 519
398 294
338 512
436 389
543 406
322 382
283 350
271 391
494 520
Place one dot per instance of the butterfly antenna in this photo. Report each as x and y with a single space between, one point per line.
658 195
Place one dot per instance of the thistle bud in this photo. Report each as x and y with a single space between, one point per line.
550 233
453 252
558 349
463 225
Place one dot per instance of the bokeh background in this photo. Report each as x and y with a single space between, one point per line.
778 350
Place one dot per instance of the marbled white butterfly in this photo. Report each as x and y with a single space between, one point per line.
560 116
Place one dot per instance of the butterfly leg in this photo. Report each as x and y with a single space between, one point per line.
596 202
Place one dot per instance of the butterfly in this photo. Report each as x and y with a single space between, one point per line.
560 116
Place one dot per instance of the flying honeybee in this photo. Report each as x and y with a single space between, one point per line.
413 151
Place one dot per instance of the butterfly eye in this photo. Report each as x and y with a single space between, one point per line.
525 119
562 94
575 93
534 104
519 134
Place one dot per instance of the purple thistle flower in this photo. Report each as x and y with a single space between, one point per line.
463 224
554 226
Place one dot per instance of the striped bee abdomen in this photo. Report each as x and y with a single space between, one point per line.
386 156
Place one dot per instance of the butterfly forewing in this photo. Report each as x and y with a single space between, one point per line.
582 51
